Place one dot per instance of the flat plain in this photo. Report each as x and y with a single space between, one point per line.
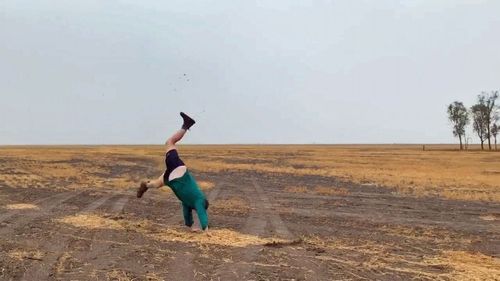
284 212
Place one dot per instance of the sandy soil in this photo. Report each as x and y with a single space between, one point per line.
260 229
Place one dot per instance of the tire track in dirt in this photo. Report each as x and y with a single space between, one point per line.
246 259
302 261
367 202
99 244
255 224
45 205
10 213
370 213
119 204
275 219
181 267
54 261
397 209
214 193
379 218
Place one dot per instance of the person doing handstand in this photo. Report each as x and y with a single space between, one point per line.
180 180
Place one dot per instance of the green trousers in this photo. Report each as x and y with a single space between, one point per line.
191 196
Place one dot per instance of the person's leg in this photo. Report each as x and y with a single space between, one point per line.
177 136
188 215
201 211
188 122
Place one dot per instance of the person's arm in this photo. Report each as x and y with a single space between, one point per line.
188 215
202 214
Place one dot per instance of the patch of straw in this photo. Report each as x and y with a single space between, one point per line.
151 276
221 237
231 204
491 217
469 266
321 190
23 255
91 221
206 185
61 261
21 206
118 275
297 189
324 190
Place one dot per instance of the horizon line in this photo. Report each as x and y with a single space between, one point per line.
220 144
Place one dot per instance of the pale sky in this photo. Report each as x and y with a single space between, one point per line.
108 72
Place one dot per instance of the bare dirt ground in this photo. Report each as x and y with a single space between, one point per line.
71 214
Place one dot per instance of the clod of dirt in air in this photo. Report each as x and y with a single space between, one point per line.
21 206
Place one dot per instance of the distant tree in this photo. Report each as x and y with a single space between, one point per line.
494 133
490 114
479 124
459 117
495 127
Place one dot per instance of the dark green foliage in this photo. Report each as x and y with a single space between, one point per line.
459 117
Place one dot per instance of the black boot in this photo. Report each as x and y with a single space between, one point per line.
188 121
143 188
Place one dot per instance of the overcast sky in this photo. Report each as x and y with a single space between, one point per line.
93 71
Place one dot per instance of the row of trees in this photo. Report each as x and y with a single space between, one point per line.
484 115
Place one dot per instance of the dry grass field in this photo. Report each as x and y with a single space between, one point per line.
360 212
471 175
